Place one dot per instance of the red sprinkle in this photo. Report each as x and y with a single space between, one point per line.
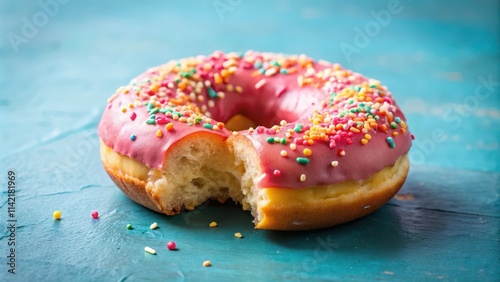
133 116
277 172
171 245
95 214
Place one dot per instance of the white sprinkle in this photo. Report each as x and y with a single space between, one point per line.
153 226
211 104
303 177
170 85
335 163
149 250
260 83
367 207
270 72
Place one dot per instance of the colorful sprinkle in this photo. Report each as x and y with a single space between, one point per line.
213 224
95 214
171 245
129 227
276 172
260 83
302 161
238 235
283 153
307 152
390 141
57 215
153 226
302 177
133 137
133 116
149 250
207 263
159 133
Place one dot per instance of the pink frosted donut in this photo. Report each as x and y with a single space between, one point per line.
301 143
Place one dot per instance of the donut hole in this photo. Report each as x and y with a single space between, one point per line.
240 122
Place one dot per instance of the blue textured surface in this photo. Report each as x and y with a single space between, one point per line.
439 58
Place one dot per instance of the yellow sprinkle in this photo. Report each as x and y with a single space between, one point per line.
238 235
229 87
300 80
215 127
354 129
124 109
239 89
307 152
303 177
207 263
335 163
159 133
364 141
169 126
131 106
149 250
293 146
213 224
368 136
57 215
283 153
260 83
283 123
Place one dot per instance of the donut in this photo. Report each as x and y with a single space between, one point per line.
301 143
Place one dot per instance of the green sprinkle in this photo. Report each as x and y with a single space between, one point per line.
302 161
262 70
283 141
198 120
150 106
297 129
283 71
211 92
208 126
177 80
129 226
394 125
270 140
154 111
391 143
398 120
151 121
361 105
163 111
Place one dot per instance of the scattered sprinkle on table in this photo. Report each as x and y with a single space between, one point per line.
171 245
153 226
238 235
95 214
149 250
57 215
129 226
213 224
207 263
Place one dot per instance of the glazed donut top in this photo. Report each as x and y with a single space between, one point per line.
318 123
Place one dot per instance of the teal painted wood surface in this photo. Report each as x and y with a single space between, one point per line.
60 61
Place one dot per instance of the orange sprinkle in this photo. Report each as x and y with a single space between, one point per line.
354 129
364 141
159 133
307 152
124 109
169 126
395 133
217 78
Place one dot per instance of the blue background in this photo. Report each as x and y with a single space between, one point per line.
59 62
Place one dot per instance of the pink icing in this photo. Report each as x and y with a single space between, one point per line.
298 97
